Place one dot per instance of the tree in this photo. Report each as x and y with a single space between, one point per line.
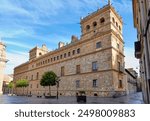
49 79
22 83
11 86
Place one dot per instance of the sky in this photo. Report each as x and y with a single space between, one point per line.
25 24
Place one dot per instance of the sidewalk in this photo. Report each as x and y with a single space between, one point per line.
129 99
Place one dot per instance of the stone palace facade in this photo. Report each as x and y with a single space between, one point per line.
94 63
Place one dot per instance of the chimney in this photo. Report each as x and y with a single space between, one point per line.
44 47
74 39
61 44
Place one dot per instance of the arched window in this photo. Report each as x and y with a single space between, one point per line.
119 28
120 85
102 20
94 24
87 27
78 50
113 20
40 53
116 24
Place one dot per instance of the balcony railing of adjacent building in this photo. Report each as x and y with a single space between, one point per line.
137 49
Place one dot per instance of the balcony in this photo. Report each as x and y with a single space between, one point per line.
137 49
121 69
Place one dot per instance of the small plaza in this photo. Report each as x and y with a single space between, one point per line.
135 98
97 63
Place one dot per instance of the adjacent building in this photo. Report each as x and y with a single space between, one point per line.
141 12
131 78
94 63
2 64
7 79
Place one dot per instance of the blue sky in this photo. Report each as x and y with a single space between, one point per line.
27 23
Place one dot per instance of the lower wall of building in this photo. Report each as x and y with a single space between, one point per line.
105 87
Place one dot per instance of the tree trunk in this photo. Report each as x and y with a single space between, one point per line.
27 91
44 91
9 90
12 91
23 91
49 90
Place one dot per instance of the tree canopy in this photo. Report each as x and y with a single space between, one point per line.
11 85
48 79
22 83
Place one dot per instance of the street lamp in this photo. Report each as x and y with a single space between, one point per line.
57 83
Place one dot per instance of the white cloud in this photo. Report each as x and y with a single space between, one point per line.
130 60
123 6
15 59
18 44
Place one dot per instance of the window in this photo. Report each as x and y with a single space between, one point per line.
45 61
119 28
78 69
37 85
98 45
120 85
51 59
87 27
40 53
102 20
119 66
94 66
37 75
116 24
32 77
65 55
77 83
94 24
113 20
68 54
95 83
78 50
57 57
118 45
73 52
60 56
48 60
54 58
62 71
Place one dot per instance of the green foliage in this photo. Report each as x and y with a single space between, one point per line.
22 83
48 79
11 85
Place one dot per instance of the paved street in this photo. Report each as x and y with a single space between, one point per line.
130 99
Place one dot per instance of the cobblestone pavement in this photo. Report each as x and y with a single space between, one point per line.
129 99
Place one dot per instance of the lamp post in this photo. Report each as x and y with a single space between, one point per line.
57 82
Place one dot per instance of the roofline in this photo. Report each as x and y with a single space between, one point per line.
130 73
102 10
